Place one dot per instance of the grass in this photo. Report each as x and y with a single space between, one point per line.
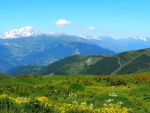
132 91
5 76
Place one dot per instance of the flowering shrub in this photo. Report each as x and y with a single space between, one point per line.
11 104
112 108
44 105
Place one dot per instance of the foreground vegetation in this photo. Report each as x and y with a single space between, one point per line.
44 105
75 94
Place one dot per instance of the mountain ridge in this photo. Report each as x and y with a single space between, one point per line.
123 63
34 48
44 49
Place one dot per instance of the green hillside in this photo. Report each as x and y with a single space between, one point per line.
134 61
5 76
61 67
123 63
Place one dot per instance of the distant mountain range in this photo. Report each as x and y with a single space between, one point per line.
123 63
26 46
43 49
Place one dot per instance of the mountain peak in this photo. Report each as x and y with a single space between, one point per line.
21 32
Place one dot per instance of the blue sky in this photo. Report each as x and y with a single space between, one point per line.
115 18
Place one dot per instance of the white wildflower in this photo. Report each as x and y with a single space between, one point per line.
83 103
109 100
113 95
75 102
105 105
131 109
120 102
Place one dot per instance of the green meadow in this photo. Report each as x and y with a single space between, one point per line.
130 92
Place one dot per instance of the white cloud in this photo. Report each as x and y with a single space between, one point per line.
62 22
91 28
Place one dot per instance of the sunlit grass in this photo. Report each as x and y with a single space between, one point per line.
132 90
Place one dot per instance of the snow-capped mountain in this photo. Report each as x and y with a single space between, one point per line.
96 37
136 38
21 32
43 49
83 36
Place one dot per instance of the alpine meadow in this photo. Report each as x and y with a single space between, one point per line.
74 56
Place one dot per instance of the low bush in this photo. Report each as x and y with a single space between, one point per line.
76 86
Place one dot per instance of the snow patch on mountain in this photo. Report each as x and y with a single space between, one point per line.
90 37
145 39
22 32
96 37
77 52
83 36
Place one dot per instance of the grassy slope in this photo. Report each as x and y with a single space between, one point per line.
123 63
60 67
134 61
5 76
131 62
133 91
78 67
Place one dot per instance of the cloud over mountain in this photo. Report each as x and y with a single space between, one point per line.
62 22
